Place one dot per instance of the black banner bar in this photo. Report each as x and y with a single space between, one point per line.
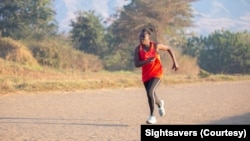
195 132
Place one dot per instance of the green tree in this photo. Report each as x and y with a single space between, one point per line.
222 52
21 19
193 46
167 17
88 33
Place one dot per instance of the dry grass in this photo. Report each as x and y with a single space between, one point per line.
16 78
21 78
20 72
12 50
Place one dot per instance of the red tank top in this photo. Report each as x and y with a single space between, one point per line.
152 69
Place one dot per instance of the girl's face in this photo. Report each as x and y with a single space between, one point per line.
144 38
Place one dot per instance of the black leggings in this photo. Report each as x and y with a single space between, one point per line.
150 87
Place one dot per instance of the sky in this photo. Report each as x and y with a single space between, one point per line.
66 9
210 15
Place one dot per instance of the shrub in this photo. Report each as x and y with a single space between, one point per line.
57 54
203 74
46 53
15 51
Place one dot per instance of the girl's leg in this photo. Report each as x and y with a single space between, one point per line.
150 87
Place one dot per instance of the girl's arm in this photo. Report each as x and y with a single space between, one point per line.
137 61
171 53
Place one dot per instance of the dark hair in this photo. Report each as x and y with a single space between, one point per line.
148 30
145 30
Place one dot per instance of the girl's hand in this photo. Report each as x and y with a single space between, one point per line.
175 66
151 59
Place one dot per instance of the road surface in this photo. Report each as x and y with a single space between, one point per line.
116 114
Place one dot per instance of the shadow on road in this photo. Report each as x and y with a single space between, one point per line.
240 119
243 119
54 121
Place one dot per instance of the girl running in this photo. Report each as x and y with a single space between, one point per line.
146 56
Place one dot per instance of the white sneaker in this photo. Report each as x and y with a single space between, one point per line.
151 120
161 109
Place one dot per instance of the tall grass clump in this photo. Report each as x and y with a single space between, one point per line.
58 54
12 50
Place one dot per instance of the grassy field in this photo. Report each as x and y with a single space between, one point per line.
21 79
22 69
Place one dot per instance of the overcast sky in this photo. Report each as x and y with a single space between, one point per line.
210 15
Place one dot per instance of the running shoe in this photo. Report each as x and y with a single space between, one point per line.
161 109
151 120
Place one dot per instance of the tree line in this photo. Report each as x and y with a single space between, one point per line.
220 52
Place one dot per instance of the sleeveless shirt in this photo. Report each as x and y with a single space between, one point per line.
151 69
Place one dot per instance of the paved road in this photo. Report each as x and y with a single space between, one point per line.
116 114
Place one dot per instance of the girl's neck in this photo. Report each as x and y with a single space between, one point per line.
147 45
